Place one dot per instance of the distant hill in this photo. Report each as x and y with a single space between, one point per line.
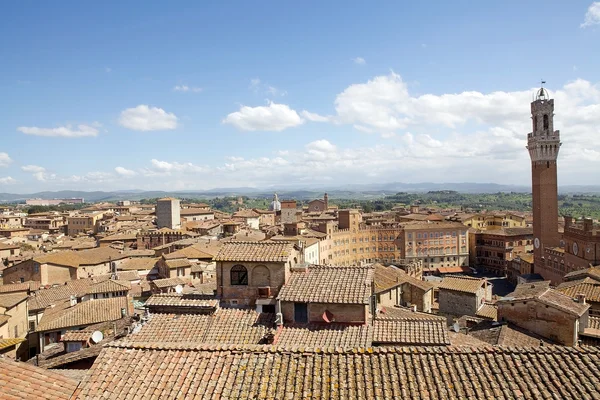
358 191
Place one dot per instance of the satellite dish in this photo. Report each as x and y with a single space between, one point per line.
456 327
179 289
97 337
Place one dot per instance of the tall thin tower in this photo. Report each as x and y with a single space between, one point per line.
543 145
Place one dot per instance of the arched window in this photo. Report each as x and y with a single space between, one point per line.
546 122
239 275
535 124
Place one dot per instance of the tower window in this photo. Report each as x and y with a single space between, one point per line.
535 124
546 121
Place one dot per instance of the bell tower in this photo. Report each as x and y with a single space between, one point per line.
543 144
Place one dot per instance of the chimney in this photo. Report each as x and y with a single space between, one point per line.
73 300
581 298
414 308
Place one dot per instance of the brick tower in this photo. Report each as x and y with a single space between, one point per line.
543 145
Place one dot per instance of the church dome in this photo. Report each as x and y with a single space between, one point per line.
275 204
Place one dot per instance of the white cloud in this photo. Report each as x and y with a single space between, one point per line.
62 131
592 16
39 173
359 61
254 83
165 167
145 118
33 168
7 180
5 160
274 117
258 86
186 88
127 173
313 117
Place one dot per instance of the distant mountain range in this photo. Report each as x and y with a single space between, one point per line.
359 191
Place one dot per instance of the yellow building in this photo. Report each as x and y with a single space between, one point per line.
492 220
82 223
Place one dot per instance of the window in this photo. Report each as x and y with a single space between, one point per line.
36 267
239 275
32 326
546 122
180 271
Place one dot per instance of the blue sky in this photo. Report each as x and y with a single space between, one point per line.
148 95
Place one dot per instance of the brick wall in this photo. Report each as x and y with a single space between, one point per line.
536 317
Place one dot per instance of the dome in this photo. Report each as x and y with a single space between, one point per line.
542 94
275 204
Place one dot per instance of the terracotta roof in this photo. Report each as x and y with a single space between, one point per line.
194 252
593 272
10 342
590 290
181 300
178 263
82 314
265 251
420 332
77 336
547 296
141 370
487 310
388 277
329 284
506 334
398 313
19 287
320 335
453 270
76 259
10 300
119 237
224 326
463 284
108 286
194 211
246 214
20 380
138 264
168 282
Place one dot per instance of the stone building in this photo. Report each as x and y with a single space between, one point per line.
168 213
394 287
63 266
546 312
463 295
250 273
